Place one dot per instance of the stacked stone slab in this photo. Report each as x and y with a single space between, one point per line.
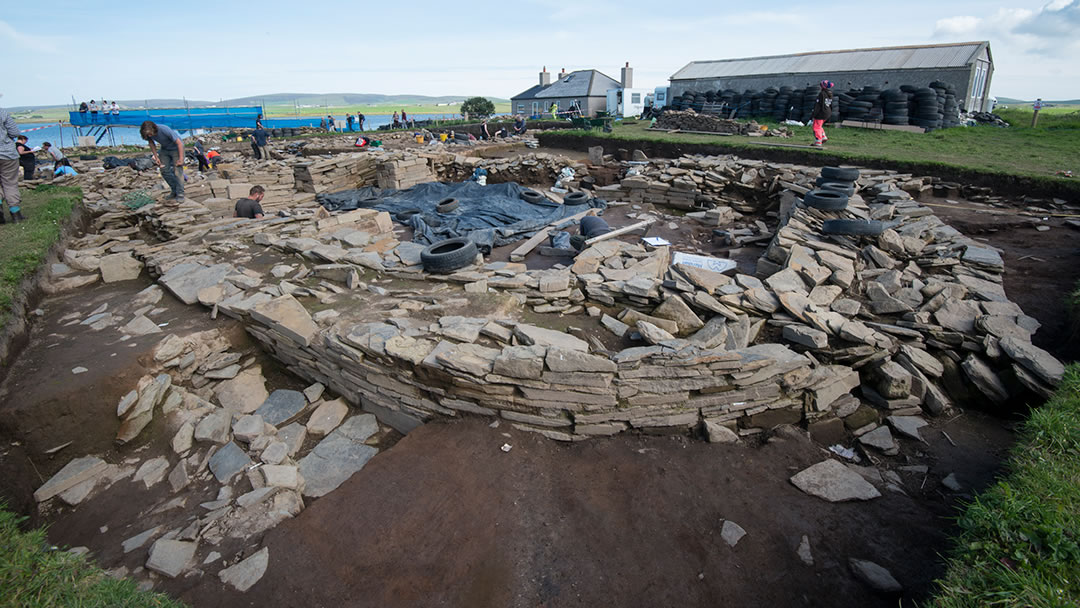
404 172
341 172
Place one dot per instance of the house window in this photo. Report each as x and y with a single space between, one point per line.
521 108
635 98
536 107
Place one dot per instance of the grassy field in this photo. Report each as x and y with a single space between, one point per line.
1019 543
371 110
1018 150
32 575
287 110
23 245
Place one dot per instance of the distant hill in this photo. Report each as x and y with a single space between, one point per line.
279 99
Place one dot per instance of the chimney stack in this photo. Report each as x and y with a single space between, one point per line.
545 78
562 73
628 76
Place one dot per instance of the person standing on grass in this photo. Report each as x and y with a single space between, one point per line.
404 118
397 120
171 157
9 167
349 121
330 126
27 158
822 112
360 121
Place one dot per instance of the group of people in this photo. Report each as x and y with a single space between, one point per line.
402 121
519 128
105 109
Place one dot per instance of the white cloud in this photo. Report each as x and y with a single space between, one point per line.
41 44
955 26
1058 19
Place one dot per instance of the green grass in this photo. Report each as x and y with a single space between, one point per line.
32 575
273 110
1019 541
23 245
1018 150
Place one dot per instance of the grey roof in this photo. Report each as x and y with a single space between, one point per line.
956 54
582 83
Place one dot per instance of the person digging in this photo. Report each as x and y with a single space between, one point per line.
591 226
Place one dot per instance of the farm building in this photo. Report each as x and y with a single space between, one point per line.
585 88
967 66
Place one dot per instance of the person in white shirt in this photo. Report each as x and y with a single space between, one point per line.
115 109
56 153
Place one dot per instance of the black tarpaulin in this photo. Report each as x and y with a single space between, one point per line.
490 216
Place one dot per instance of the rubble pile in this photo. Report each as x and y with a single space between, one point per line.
689 120
249 448
699 182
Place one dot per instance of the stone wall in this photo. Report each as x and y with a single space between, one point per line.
543 380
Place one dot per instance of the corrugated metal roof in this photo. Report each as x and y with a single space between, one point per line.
582 83
855 60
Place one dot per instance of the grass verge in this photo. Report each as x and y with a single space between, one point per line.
1037 154
32 575
23 246
1019 541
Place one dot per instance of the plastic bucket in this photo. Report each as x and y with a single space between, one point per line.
442 136
419 139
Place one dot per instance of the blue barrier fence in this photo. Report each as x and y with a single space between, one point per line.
183 119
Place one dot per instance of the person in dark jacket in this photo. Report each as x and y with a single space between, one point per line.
822 112
27 158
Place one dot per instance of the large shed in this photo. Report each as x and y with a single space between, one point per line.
967 66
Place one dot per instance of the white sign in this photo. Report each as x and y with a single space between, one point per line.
702 261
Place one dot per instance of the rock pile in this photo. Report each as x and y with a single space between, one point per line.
689 120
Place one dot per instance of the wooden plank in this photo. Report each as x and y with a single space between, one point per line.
620 231
859 124
525 248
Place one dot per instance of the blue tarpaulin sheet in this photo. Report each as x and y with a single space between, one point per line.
490 216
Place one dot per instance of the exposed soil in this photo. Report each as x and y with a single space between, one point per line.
1042 268
448 519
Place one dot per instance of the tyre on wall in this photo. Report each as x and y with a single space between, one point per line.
826 200
845 188
847 174
448 255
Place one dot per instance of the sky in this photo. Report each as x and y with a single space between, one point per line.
140 50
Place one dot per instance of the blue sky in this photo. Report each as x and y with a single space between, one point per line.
137 50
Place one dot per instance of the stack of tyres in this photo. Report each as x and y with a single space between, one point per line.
768 102
835 186
838 179
895 107
780 109
926 110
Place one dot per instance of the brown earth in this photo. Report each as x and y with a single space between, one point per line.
446 518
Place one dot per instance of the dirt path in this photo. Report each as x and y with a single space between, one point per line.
448 519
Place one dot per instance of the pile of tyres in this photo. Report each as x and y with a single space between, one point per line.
932 107
835 186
